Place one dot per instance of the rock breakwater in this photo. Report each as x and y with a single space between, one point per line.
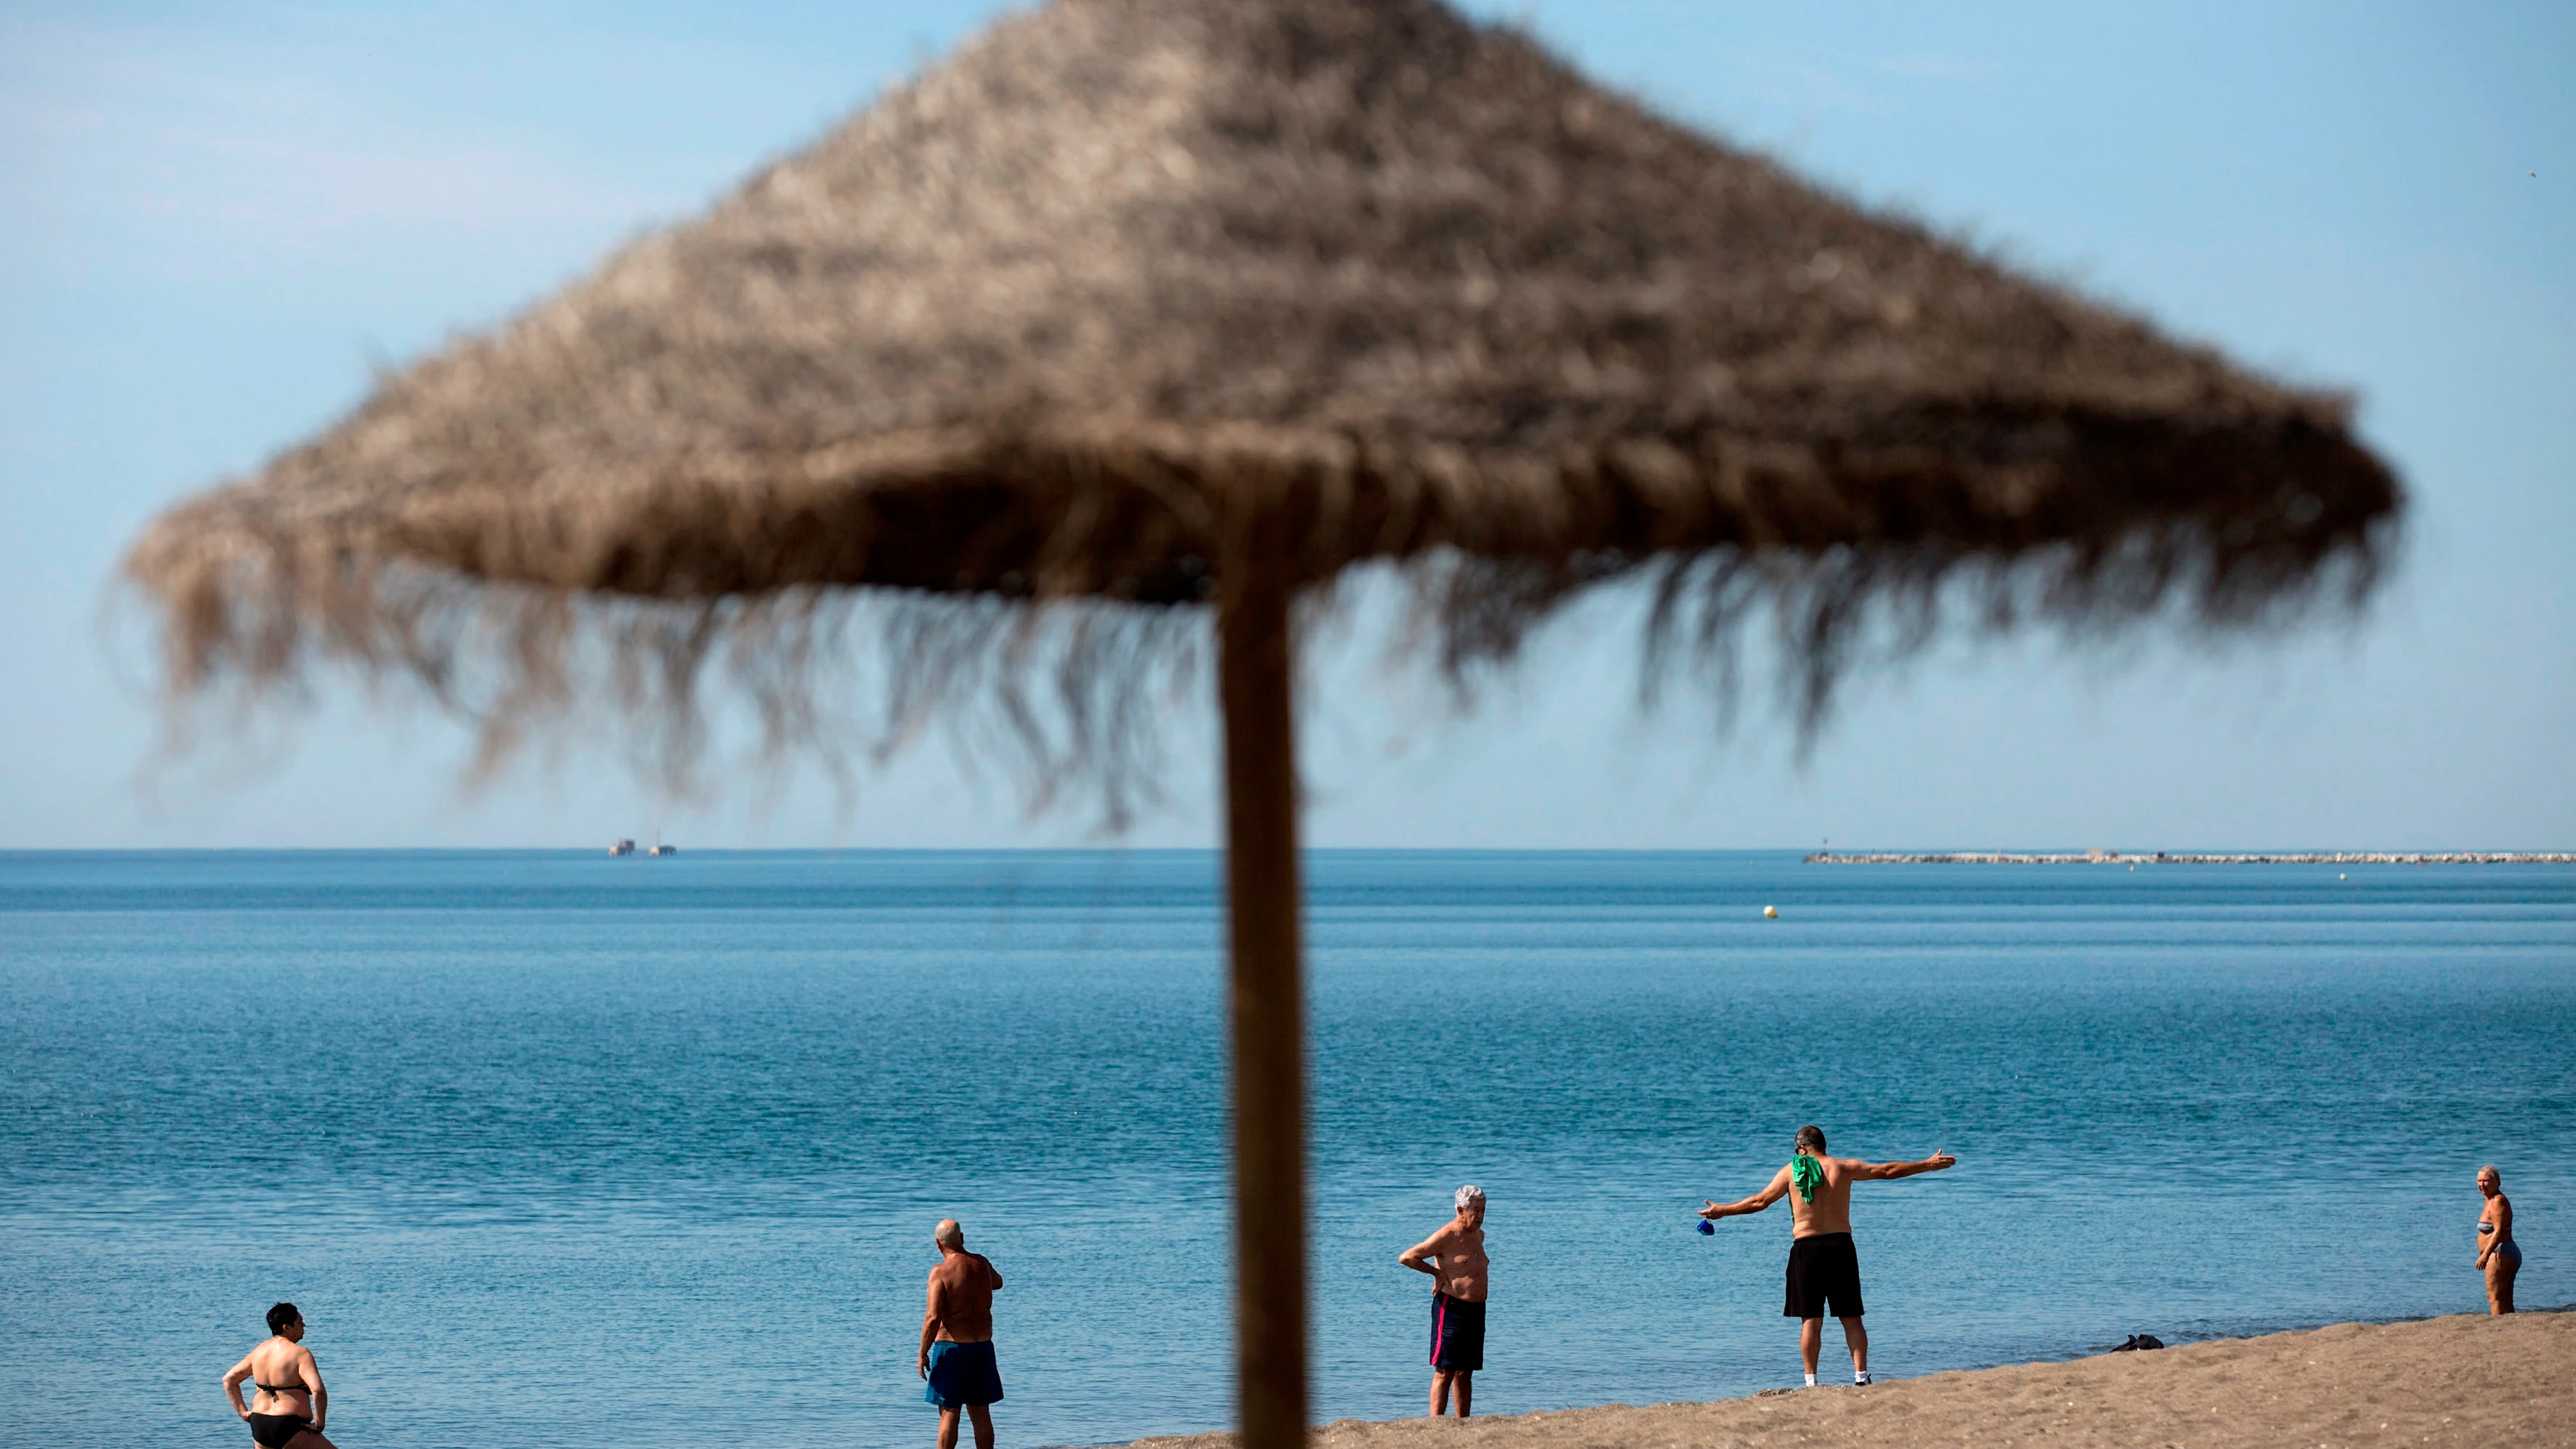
2166 857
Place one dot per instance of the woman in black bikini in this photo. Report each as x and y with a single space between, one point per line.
2498 1254
288 1412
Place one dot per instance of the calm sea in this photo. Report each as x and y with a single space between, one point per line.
560 1149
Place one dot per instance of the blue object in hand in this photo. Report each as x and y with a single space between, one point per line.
1706 1226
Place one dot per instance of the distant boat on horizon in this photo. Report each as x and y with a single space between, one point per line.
623 846
659 848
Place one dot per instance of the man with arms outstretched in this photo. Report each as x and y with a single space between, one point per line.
1823 1269
1455 1259
957 1338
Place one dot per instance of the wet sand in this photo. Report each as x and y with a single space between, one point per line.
2444 1381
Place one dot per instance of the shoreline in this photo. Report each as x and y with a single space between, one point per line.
2459 1379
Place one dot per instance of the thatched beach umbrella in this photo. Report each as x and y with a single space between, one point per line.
1168 303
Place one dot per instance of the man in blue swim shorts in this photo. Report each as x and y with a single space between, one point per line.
1455 1259
957 1338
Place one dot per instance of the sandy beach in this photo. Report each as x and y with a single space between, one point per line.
2458 1380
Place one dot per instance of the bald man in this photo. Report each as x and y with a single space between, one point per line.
957 1338
2499 1257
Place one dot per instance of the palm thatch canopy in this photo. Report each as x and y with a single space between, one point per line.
1038 324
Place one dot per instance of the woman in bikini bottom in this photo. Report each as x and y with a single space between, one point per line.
287 1412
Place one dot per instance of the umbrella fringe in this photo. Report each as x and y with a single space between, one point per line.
1075 699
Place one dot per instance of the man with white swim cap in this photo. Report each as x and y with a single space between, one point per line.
1458 1280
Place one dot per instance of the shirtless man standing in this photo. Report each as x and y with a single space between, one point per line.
1457 1299
957 1338
1823 1268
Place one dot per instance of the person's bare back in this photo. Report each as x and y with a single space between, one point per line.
289 1404
958 1369
961 1298
1831 1211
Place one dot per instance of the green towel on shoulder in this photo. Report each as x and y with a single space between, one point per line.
1806 1174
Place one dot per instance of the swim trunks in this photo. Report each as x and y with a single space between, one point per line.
276 1431
962 1374
1823 1270
1457 1334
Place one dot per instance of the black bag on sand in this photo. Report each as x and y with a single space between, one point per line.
2138 1341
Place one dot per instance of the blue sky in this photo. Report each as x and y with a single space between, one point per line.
222 218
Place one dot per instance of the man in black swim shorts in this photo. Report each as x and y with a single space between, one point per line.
1824 1269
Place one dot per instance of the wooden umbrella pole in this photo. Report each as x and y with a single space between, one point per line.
1268 1015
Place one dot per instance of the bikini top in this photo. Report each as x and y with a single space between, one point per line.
274 1389
2485 1228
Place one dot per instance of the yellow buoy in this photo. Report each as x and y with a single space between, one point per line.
1770 913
